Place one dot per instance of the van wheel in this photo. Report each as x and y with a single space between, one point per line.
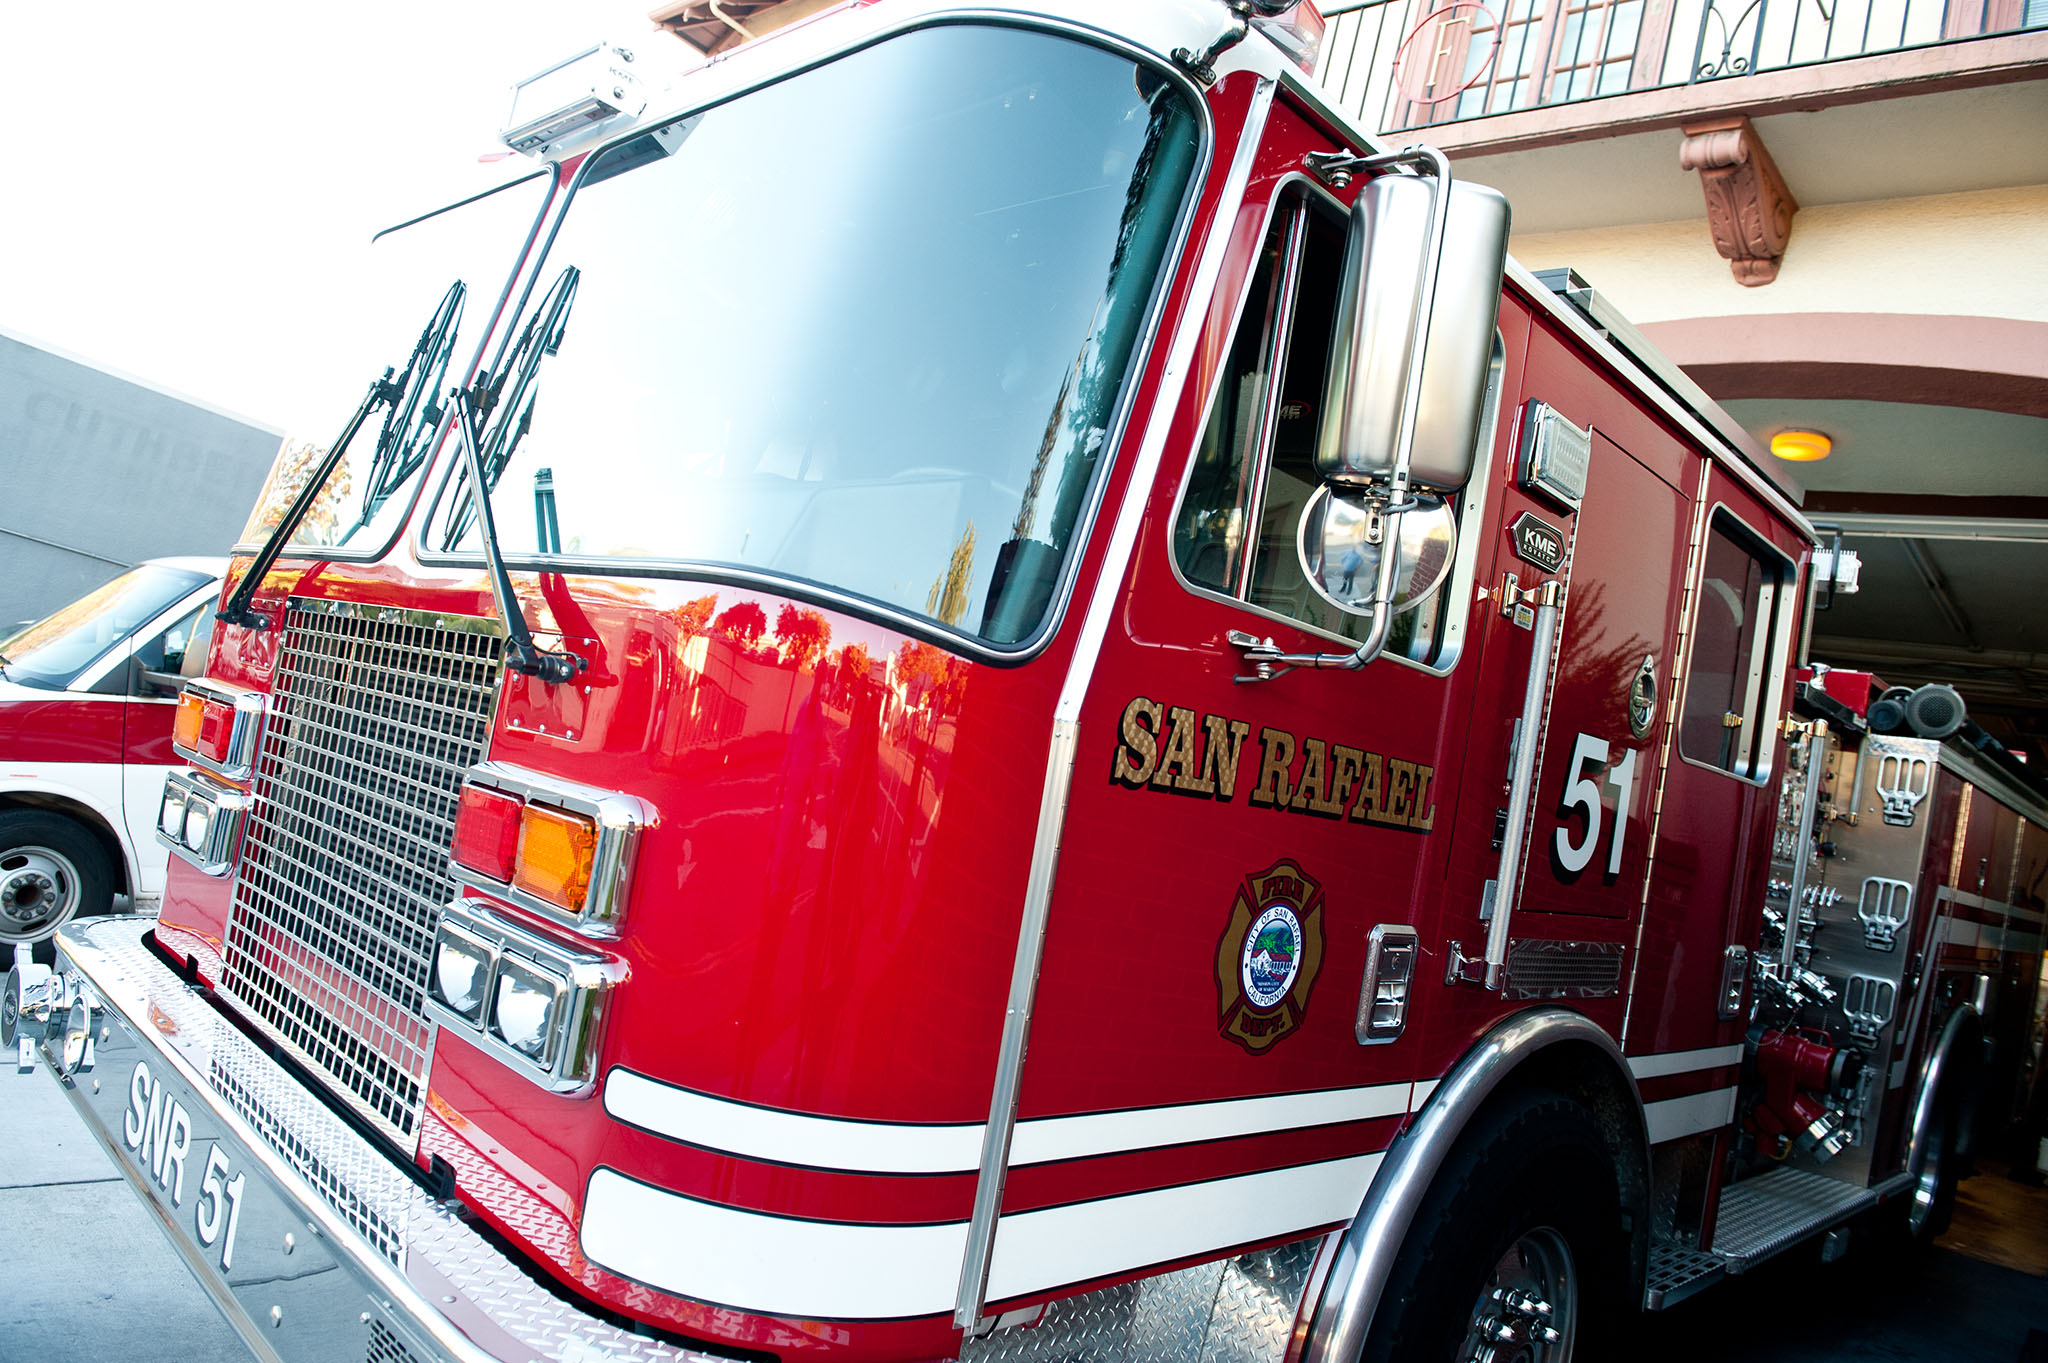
1517 1255
51 871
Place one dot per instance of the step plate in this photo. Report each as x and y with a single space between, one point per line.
1761 1216
1678 1271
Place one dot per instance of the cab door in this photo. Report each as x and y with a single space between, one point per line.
1232 844
1585 853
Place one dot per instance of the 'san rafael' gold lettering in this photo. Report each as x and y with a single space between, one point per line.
1219 755
1276 760
1176 749
1372 780
1138 755
1176 764
1345 764
1422 817
1312 793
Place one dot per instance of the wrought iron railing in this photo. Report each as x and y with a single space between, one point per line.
1401 64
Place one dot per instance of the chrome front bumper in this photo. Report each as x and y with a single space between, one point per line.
313 1244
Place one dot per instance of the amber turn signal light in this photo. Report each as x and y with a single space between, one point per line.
185 728
556 852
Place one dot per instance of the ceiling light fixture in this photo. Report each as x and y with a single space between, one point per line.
1801 446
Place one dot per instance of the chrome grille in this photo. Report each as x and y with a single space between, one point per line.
375 716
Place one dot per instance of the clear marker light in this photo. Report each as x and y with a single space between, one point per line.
197 817
524 1013
462 970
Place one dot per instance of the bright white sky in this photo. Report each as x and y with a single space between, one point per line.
192 187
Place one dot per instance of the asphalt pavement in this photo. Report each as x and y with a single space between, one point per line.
95 1280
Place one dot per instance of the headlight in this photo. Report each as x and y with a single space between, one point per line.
201 820
526 1012
462 972
170 816
532 1002
198 818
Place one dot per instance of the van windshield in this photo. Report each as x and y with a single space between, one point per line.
864 329
53 652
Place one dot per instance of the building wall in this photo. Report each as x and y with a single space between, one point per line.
98 472
1976 254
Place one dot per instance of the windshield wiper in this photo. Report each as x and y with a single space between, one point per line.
397 394
511 395
409 426
542 337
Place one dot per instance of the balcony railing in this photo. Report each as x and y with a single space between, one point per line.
1401 64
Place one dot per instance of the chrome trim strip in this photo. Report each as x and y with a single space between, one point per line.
619 818
397 615
1344 1315
2028 804
1065 738
1809 805
245 736
1522 785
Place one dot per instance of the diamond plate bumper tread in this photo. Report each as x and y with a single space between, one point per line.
407 1259
1761 1216
1238 1310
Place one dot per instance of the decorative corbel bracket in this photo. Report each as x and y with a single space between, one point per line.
1749 207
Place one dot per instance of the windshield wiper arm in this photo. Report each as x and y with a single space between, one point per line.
384 392
409 426
542 337
507 400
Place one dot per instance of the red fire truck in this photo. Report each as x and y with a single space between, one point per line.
994 692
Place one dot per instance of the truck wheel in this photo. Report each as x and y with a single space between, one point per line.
51 871
1517 1255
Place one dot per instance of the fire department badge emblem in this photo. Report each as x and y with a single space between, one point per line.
1267 960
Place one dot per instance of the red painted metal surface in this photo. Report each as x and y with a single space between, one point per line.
63 729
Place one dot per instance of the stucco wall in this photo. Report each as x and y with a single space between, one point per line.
1982 254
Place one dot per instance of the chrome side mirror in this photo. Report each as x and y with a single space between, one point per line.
1344 533
1379 300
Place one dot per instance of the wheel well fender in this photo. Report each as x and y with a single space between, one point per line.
1551 1049
1951 1064
86 817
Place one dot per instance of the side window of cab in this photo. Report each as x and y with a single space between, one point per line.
1740 637
1237 532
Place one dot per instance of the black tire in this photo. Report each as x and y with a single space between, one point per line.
52 870
1528 1197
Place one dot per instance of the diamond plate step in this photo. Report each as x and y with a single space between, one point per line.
1761 1216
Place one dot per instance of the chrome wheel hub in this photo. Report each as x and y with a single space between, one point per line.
1527 1310
38 892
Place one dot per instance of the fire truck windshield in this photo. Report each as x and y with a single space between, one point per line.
863 331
